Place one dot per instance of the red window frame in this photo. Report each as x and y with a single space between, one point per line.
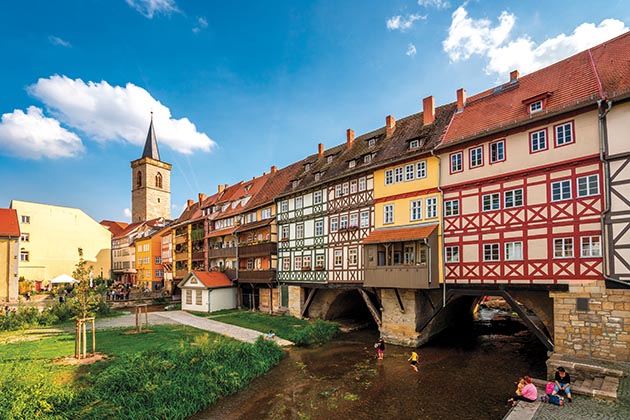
450 162
470 160
502 141
555 133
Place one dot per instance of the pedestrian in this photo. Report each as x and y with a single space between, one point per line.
413 360
380 348
529 393
563 382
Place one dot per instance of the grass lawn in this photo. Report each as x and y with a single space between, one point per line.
283 326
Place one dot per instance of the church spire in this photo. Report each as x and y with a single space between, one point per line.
150 146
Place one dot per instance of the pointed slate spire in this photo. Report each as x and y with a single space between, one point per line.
150 146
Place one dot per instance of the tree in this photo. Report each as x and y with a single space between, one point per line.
86 298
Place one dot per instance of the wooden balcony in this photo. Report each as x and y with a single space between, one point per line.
181 239
197 255
400 277
257 276
222 252
180 274
258 250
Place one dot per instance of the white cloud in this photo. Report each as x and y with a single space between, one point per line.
438 4
55 40
202 23
411 50
469 37
127 213
150 7
34 136
116 113
401 23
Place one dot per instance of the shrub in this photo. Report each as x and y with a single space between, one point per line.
317 332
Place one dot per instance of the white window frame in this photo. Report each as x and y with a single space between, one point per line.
476 157
591 246
566 248
343 221
513 251
318 197
388 214
299 202
415 210
367 158
421 169
284 206
285 232
497 151
338 190
345 188
319 228
588 185
513 198
353 187
319 260
535 107
353 256
491 202
457 162
365 219
354 220
352 163
338 259
538 140
398 175
431 207
299 231
451 208
334 224
25 219
491 252
286 264
561 135
409 172
414 144
451 253
297 263
362 184
561 190
389 177
25 237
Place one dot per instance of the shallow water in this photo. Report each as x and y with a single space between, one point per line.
465 374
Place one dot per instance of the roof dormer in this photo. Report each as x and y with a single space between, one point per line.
536 103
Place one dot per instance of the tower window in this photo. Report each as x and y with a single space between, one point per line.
158 180
139 179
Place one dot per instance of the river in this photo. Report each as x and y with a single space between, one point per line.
464 374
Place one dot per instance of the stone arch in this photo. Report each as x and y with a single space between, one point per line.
158 180
347 304
139 179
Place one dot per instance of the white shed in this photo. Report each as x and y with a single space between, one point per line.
207 291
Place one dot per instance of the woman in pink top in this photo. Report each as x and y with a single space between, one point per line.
530 393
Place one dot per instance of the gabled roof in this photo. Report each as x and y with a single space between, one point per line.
131 228
9 226
114 227
210 279
276 183
567 85
401 234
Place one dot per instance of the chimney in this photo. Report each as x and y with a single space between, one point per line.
349 138
189 203
320 150
225 186
461 99
390 125
221 188
428 110
513 75
202 197
274 169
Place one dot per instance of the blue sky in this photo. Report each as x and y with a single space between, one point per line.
239 86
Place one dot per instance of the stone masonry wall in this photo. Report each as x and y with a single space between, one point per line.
296 299
602 332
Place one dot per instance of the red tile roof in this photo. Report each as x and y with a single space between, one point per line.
399 234
221 232
570 84
9 225
114 227
213 278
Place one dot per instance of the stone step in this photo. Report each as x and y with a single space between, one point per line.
587 383
607 392
598 382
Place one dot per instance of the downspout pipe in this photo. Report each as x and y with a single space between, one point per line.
441 228
604 107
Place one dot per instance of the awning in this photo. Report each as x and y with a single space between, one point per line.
403 234
63 278
221 232
254 225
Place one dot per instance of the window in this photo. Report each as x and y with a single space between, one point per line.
538 141
319 260
298 202
352 256
409 253
25 237
409 172
564 134
147 274
452 254
563 248
421 169
367 158
365 219
491 252
337 190
591 246
24 256
343 222
476 157
188 297
389 177
497 151
588 185
535 107
388 213
285 232
317 176
353 187
398 175
139 179
146 247
561 190
158 180
159 273
265 213
456 162
284 206
307 167
345 188
296 183
451 208
299 231
319 227
334 224
416 210
158 260
491 202
431 207
513 251
329 159
198 297
338 257
317 197
26 219
286 264
354 220
352 163
297 263
250 263
513 198
371 142
414 144
362 184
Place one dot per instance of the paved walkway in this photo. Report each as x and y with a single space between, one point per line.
184 318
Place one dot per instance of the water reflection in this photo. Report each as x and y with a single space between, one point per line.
466 374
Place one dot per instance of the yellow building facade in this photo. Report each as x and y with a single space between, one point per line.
51 237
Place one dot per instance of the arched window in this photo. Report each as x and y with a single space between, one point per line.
139 179
158 180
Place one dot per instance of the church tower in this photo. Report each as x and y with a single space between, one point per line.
151 183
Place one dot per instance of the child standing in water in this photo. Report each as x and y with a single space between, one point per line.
413 360
380 348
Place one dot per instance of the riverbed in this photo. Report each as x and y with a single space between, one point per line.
463 374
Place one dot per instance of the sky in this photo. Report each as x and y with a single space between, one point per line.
237 87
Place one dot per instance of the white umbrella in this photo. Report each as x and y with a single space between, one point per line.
63 278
